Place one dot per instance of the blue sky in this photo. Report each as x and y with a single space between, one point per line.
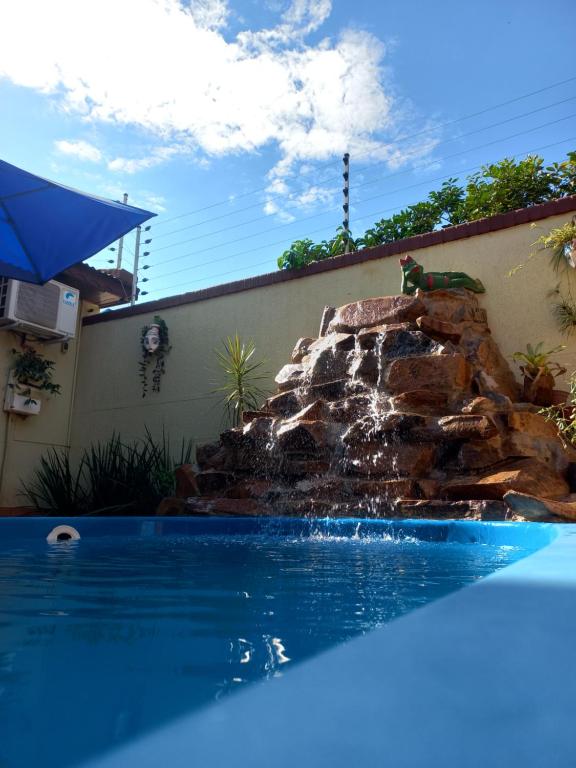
229 118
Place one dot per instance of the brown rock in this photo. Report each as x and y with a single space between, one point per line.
298 467
433 509
258 430
367 337
289 377
186 484
351 318
301 349
467 427
204 453
284 404
375 428
483 354
327 315
220 460
398 459
316 411
526 476
549 451
436 373
367 366
334 488
211 480
232 438
343 342
455 305
420 400
426 488
440 329
306 436
532 424
227 507
401 343
326 364
478 454
248 416
538 508
172 507
328 390
251 489
350 409
487 405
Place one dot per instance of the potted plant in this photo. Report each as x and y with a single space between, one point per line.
561 242
539 373
30 374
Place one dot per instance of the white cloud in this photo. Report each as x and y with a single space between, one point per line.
132 165
194 89
83 150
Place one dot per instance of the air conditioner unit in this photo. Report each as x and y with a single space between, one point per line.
46 311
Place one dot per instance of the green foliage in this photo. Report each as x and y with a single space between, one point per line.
564 417
240 390
303 252
535 361
496 188
32 370
57 488
506 186
565 313
112 477
557 241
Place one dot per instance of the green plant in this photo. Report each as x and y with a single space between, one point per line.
111 477
496 188
30 371
154 346
241 389
564 417
535 362
300 253
559 240
57 488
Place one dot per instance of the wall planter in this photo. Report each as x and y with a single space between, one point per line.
30 375
20 399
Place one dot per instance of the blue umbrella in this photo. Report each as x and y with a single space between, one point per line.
46 227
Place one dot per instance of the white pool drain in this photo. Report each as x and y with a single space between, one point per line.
62 533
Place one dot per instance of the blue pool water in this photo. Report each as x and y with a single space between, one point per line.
105 638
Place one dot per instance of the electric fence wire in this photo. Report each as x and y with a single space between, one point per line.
281 242
317 215
357 170
401 138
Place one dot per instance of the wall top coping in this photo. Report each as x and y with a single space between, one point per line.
447 235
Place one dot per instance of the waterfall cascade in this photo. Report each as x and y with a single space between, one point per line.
403 407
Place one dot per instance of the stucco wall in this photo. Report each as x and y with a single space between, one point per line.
24 439
275 316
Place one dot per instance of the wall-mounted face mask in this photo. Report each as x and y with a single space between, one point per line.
152 339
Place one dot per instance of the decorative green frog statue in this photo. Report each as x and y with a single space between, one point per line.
413 277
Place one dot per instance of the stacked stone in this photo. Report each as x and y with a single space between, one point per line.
403 406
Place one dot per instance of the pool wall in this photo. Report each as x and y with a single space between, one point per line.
482 678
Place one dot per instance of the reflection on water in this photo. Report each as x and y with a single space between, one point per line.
103 639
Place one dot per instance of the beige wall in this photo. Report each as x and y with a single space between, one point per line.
109 397
24 439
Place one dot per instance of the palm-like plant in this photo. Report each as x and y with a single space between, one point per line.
539 372
535 361
240 390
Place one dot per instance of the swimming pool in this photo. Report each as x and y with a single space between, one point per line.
143 621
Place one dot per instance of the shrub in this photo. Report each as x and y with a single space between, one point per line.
111 477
